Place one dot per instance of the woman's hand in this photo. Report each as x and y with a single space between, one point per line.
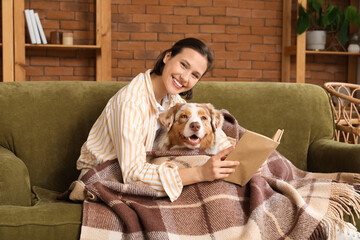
216 168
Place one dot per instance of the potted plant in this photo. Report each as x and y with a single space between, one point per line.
316 20
325 18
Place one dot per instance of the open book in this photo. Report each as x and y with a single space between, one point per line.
251 151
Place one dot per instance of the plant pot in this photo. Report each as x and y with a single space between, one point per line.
315 40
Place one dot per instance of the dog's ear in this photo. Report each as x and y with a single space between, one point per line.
217 119
168 118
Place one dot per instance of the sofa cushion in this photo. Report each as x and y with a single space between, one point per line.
14 180
46 219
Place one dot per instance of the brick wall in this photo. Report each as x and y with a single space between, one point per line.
77 17
244 35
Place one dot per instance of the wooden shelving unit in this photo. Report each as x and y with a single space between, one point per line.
300 49
14 46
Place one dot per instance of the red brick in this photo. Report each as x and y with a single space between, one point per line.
265 65
120 36
212 28
200 20
225 37
44 61
143 2
158 28
240 46
146 54
226 3
238 29
213 11
120 2
143 36
77 78
227 55
265 14
74 62
129 9
170 37
124 72
224 72
173 19
252 22
200 3
130 63
173 2
74 6
194 11
252 56
272 75
263 48
250 73
183 28
128 45
226 20
252 4
84 71
155 9
161 46
205 37
59 15
122 54
74 25
131 27
59 71
236 64
34 71
44 5
146 18
238 12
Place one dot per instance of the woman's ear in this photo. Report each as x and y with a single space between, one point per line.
166 57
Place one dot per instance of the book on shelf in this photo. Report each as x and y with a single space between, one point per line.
251 151
30 26
36 30
41 30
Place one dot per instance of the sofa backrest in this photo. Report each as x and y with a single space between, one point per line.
46 123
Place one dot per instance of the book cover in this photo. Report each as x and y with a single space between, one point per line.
36 31
251 151
30 26
41 30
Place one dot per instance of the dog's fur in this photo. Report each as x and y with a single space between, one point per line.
189 125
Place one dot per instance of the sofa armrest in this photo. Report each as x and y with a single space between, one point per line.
327 155
14 180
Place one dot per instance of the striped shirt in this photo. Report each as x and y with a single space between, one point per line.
125 130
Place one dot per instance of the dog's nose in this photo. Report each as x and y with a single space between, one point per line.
195 126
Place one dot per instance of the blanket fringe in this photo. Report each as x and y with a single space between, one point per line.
344 198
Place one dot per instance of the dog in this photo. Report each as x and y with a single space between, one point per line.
189 125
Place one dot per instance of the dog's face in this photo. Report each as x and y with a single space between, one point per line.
191 125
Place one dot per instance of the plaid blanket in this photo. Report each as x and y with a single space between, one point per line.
280 202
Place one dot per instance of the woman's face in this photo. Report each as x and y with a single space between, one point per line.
182 71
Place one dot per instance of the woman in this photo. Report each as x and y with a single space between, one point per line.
126 128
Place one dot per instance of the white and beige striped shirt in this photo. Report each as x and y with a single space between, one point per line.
126 130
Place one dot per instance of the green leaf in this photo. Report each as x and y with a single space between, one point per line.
350 13
343 32
303 21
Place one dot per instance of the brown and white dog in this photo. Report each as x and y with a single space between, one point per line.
189 125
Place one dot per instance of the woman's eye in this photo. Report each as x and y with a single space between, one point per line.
183 64
195 76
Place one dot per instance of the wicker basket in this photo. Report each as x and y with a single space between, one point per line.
346 107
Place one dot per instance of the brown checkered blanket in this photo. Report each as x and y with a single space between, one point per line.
280 202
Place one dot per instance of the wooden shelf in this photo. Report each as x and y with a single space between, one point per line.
60 46
14 46
291 50
300 52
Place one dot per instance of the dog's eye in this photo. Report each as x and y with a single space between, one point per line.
204 118
184 116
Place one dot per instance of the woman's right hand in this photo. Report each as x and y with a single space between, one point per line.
217 168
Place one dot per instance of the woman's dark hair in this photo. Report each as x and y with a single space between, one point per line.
191 43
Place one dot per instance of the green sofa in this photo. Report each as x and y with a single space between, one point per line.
44 124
